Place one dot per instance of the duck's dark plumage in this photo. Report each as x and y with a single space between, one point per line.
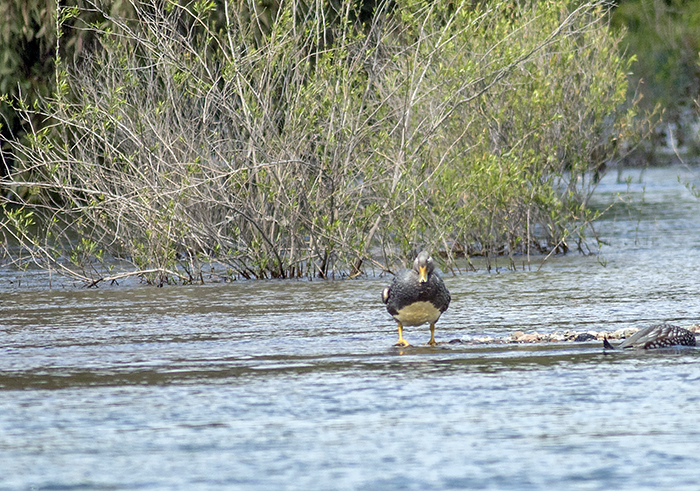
417 296
659 336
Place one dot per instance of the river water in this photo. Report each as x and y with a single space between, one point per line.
275 385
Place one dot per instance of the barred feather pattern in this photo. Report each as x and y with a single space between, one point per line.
660 336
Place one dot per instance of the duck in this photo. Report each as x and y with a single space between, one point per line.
417 296
656 336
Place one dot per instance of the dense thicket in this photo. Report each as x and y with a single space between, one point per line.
314 138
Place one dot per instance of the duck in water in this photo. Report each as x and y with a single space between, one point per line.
658 336
417 296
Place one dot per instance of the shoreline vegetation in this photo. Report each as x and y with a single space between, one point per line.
317 140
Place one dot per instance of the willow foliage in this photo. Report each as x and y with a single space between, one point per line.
318 139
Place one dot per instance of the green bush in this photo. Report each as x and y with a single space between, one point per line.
323 139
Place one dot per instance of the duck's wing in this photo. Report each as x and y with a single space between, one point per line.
385 294
402 290
659 336
440 296
642 336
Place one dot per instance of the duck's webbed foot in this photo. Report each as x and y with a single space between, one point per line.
432 341
402 342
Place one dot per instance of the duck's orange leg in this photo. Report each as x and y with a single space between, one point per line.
402 341
432 335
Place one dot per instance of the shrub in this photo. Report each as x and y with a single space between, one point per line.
321 140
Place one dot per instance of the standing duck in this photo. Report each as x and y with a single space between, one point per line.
417 296
658 336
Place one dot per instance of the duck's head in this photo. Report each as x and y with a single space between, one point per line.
423 265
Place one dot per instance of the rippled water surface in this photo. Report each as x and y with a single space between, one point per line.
295 385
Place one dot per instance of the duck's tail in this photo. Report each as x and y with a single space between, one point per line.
606 344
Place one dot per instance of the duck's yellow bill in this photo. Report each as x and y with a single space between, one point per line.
423 273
